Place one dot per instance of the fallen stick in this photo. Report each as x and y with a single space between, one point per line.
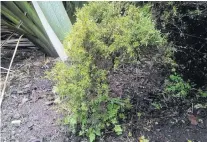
6 40
5 68
7 75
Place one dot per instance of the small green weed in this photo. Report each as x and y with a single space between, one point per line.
202 93
118 129
175 86
157 105
139 114
143 139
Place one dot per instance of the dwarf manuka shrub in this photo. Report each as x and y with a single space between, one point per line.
106 35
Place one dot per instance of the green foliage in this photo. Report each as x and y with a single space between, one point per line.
175 86
202 93
102 38
118 129
111 35
139 114
92 137
157 105
143 139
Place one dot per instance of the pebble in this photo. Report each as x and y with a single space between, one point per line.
27 86
201 123
20 92
158 130
49 103
16 122
13 132
25 91
24 100
30 125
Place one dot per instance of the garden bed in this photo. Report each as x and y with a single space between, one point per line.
29 98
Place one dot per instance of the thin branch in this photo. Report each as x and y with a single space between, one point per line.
6 40
5 69
5 82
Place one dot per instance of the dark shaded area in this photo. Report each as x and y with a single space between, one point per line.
159 118
186 26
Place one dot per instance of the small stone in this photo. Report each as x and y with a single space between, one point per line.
24 100
13 132
25 91
20 92
201 123
200 120
49 103
158 130
16 122
30 126
27 86
45 109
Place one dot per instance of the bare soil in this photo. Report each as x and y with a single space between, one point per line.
158 117
29 99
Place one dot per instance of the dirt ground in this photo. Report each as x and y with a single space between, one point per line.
30 114
157 117
28 110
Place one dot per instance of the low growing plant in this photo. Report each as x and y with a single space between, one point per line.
106 35
202 93
175 86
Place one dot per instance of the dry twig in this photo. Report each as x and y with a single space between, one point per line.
5 82
5 69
